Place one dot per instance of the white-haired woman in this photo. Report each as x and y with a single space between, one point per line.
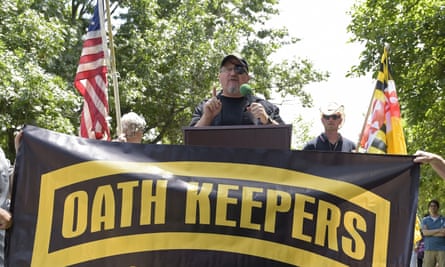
133 127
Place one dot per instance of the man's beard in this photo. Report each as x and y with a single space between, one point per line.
233 90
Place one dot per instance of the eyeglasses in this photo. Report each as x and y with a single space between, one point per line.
239 69
334 117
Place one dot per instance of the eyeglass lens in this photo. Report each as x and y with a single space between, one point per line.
239 69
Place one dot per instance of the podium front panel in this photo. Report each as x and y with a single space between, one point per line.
245 136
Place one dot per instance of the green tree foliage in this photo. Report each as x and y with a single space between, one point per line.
167 57
300 135
29 94
415 31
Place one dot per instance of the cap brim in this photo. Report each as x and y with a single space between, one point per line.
242 61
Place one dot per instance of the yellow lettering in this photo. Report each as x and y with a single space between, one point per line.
300 215
352 222
222 201
314 221
247 204
103 209
127 202
277 201
328 221
198 197
159 199
75 214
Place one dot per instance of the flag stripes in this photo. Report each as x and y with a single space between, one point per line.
91 82
383 131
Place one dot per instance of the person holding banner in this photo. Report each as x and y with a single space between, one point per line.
5 215
436 161
133 127
332 117
231 106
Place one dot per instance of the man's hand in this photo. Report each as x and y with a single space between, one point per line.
212 108
5 219
260 113
436 161
426 157
17 140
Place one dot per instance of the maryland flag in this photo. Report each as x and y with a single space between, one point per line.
383 133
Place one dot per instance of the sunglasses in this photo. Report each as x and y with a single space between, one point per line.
334 117
239 69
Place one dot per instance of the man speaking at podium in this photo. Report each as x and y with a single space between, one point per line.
235 104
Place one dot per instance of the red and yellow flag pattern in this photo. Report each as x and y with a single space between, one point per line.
383 133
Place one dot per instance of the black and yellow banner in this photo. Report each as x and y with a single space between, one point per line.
82 202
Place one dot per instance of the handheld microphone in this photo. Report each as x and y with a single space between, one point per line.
246 91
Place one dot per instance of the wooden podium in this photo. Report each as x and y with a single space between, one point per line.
246 136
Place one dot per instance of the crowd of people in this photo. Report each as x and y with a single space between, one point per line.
231 107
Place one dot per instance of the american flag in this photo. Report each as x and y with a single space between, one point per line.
91 82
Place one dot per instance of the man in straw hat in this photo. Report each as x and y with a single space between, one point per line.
332 117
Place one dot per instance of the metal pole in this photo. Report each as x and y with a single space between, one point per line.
113 71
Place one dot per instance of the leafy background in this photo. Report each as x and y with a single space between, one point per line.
168 52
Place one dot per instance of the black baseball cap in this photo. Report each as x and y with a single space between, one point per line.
241 60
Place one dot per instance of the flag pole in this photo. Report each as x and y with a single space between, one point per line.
113 71
365 122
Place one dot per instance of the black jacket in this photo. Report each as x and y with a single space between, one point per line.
234 111
321 143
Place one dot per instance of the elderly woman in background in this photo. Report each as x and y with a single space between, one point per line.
133 127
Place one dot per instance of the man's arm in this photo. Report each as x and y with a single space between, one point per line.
266 112
206 111
203 121
434 232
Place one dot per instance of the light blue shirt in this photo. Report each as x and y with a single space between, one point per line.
434 242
